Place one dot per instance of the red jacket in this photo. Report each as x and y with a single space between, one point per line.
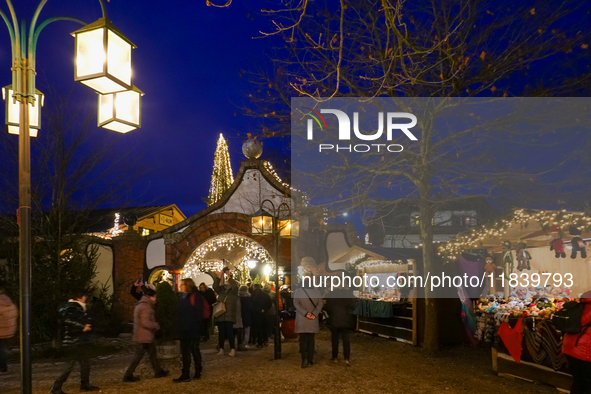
582 350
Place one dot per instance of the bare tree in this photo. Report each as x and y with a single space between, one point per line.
449 48
76 168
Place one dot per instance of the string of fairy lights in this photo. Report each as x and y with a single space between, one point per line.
562 220
197 264
221 177
272 171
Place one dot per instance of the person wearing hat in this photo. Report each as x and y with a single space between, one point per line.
77 330
8 325
144 330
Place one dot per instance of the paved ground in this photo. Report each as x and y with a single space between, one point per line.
379 365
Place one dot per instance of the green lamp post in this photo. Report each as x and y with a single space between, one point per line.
103 63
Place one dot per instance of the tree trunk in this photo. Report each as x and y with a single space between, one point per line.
431 338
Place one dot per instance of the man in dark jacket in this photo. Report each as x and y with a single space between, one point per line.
339 307
261 303
210 297
77 329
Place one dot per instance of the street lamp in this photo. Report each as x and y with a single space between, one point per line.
103 62
281 225
13 110
103 57
120 111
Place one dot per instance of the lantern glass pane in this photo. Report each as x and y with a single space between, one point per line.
267 224
257 224
15 130
13 108
105 107
295 228
90 53
285 226
35 112
103 85
119 127
118 58
127 106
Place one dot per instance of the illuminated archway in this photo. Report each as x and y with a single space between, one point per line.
227 249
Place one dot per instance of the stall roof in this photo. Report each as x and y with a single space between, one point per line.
534 227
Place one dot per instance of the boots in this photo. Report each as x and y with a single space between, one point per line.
183 378
232 353
198 372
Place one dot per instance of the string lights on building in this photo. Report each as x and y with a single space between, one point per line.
561 220
221 177
272 171
197 264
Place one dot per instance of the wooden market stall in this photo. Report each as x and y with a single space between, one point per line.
385 309
539 260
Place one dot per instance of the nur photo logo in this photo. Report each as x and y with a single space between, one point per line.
390 122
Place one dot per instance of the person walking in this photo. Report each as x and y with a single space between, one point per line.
577 349
189 328
144 330
77 328
8 325
261 303
210 297
308 304
341 321
227 289
246 310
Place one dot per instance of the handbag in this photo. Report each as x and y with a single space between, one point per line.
219 308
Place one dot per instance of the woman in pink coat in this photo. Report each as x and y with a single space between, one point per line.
577 348
144 332
8 325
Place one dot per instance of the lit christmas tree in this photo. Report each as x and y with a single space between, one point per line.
221 177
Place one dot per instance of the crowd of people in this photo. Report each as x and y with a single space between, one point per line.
245 315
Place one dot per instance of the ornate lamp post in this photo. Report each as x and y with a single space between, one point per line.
279 224
103 62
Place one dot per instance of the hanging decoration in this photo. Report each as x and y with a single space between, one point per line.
197 264
522 256
221 177
555 220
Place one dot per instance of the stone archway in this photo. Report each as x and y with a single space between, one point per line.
227 249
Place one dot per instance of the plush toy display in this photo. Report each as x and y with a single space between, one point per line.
523 256
489 265
577 243
557 245
508 261
578 246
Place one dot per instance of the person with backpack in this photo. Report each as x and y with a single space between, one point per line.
192 311
576 346
77 331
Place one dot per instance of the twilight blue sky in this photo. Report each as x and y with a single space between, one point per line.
188 62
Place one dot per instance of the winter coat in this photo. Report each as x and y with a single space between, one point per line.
307 300
271 294
238 323
144 321
339 307
261 301
229 296
189 316
75 317
246 308
582 349
8 317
